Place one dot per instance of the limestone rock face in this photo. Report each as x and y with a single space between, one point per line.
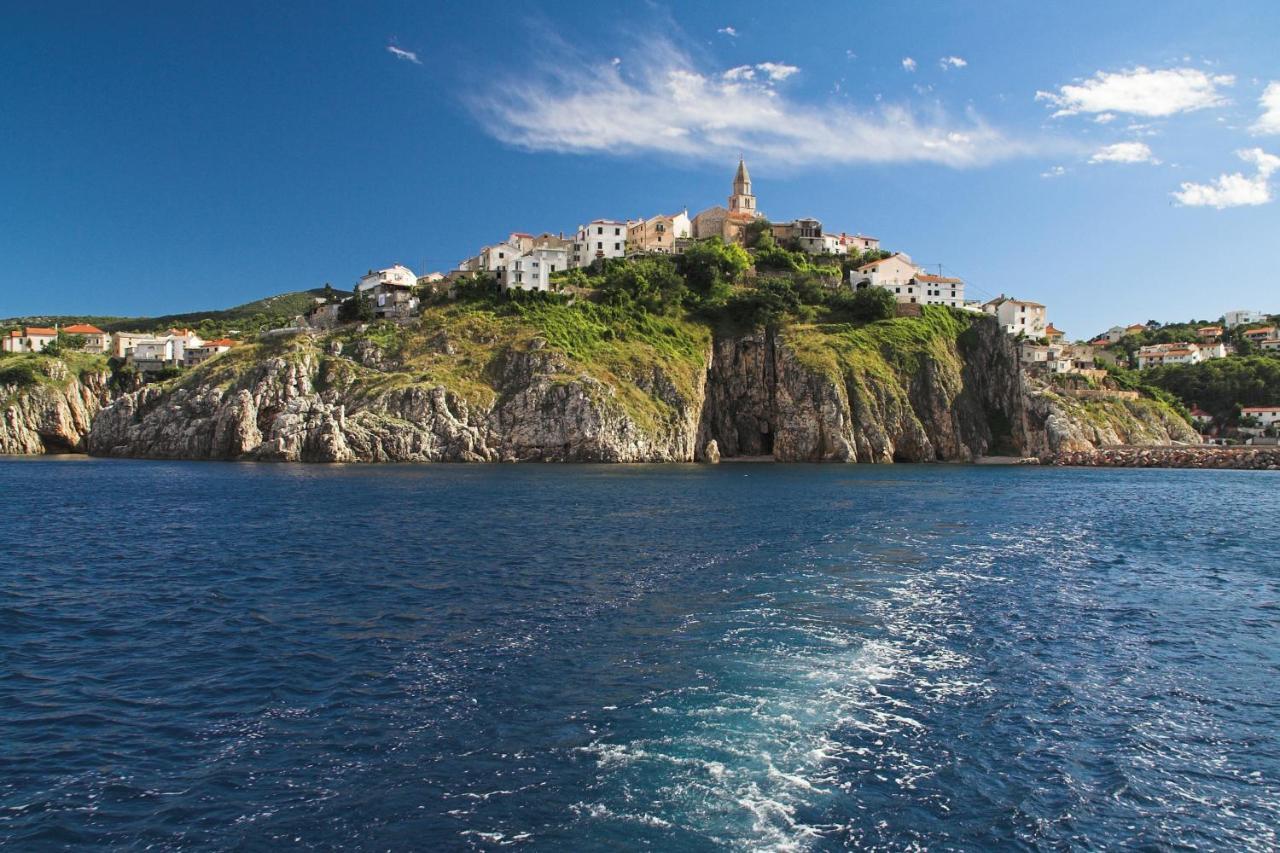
53 417
295 407
799 394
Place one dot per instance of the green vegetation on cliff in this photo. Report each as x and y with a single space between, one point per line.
1221 385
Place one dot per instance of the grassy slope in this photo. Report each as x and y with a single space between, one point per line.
25 371
617 348
281 305
889 350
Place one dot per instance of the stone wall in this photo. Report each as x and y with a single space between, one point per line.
1248 458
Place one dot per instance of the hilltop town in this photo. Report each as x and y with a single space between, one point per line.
726 263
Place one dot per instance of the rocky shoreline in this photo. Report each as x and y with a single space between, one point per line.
1240 458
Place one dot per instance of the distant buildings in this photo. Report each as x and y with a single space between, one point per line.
533 269
659 233
1257 336
1242 317
729 223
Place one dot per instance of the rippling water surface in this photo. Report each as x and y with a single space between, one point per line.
596 658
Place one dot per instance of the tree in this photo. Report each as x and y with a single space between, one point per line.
758 234
865 306
710 266
359 308
330 295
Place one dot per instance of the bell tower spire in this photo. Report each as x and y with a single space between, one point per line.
742 201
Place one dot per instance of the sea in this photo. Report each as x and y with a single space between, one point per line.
214 656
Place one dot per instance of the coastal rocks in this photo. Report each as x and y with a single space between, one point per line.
1245 458
55 414
1062 424
710 453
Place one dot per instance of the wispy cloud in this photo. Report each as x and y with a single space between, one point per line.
401 53
1124 152
1235 189
1269 121
728 31
1104 118
777 71
950 62
1140 91
908 64
665 103
1053 172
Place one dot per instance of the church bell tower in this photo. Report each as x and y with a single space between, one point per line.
742 201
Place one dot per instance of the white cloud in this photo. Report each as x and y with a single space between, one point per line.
1140 91
1269 121
1124 152
1104 118
1053 172
908 63
406 55
616 61
777 71
1235 189
949 62
728 31
664 103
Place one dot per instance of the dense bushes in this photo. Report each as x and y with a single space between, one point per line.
1221 384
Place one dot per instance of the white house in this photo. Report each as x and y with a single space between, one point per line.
533 269
396 275
892 272
1181 352
1272 344
192 356
1018 316
940 290
29 339
1241 317
598 239
1267 416
167 350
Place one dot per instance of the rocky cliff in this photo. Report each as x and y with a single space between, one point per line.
575 383
47 404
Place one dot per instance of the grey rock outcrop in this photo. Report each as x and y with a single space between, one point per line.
52 417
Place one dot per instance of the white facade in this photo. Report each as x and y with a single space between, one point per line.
598 239
95 340
29 339
940 290
1266 415
170 348
396 274
1242 316
893 271
1272 345
859 243
1018 317
1178 353
532 270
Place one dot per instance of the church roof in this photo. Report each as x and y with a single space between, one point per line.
742 175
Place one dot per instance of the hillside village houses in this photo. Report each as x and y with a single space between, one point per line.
1156 355
1267 416
599 239
1265 333
153 354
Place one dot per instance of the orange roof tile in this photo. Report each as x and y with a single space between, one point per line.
41 330
938 279
82 329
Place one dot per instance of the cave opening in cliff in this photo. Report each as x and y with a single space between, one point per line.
766 441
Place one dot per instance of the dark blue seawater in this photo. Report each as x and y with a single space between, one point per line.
214 656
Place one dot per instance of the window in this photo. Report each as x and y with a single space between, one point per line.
599 230
897 290
599 245
617 247
617 231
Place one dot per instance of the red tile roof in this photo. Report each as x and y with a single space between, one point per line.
82 329
1250 409
938 279
41 330
220 342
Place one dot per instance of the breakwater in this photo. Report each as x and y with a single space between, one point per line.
1246 458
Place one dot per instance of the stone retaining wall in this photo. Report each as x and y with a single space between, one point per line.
1250 458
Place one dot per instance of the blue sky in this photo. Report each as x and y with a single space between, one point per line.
165 157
